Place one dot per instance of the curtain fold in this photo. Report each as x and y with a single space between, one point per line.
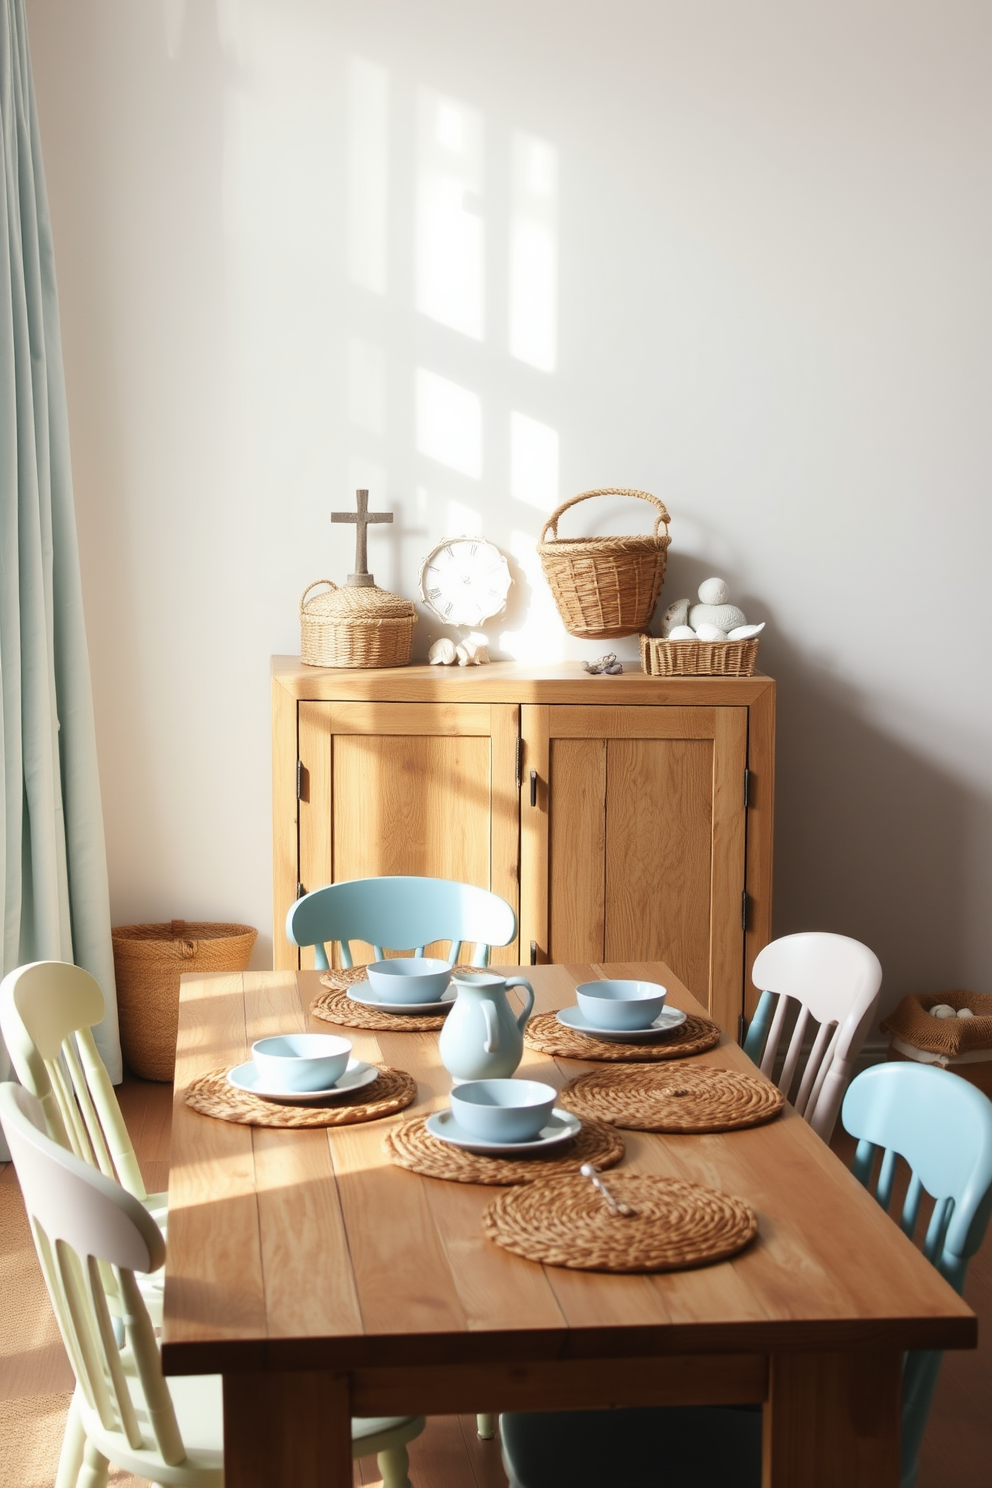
53 866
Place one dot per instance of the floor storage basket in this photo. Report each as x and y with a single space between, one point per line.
961 1045
148 962
360 626
605 586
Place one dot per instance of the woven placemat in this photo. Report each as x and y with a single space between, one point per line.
335 1006
564 1222
412 1146
211 1095
683 1100
548 1036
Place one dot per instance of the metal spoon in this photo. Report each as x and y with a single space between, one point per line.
615 1205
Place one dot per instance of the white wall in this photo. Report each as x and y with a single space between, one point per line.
765 230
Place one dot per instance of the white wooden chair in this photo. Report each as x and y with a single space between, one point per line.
123 1409
835 981
47 1012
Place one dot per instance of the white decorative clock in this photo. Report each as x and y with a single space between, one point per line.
465 580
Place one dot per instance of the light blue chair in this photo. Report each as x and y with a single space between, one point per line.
942 1127
400 913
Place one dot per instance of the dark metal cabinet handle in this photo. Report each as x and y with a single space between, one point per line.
533 787
533 953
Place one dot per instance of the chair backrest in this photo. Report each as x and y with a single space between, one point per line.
81 1220
398 914
835 981
942 1128
47 1011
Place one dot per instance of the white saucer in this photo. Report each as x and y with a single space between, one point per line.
362 992
667 1019
561 1127
356 1077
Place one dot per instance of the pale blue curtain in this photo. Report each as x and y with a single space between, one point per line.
53 868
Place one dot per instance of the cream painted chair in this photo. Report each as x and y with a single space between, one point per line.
835 981
47 1012
123 1410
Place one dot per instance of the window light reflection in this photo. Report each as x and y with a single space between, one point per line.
449 423
534 251
368 173
449 230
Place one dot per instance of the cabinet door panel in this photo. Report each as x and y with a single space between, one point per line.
409 788
659 829
577 892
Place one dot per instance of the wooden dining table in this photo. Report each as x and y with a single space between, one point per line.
321 1281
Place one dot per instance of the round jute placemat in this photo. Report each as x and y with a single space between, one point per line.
412 1146
548 1036
564 1222
700 1099
211 1095
335 1006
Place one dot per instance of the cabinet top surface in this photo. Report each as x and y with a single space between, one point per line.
510 681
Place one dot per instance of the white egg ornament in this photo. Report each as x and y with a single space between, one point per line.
681 633
943 1010
710 633
965 1013
713 592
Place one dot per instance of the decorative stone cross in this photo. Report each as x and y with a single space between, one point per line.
361 578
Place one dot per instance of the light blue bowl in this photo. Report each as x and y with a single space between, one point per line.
409 979
301 1061
503 1110
620 1004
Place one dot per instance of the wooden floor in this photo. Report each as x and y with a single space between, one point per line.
33 1368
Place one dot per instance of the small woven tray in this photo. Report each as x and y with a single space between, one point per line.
412 1146
548 1036
661 658
211 1095
564 1222
690 1100
335 1006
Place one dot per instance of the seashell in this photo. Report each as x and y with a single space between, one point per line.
472 653
442 653
727 616
681 633
745 632
942 1010
710 633
713 592
965 1013
676 614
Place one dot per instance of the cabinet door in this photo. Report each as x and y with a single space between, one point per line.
634 849
411 788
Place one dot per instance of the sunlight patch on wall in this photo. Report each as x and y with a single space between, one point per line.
449 229
449 423
534 251
368 173
540 639
533 462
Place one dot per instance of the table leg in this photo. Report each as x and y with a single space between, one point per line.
292 1428
833 1418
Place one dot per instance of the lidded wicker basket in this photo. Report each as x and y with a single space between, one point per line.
605 586
355 627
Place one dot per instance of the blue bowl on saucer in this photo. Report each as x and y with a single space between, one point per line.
301 1061
620 1004
409 979
503 1110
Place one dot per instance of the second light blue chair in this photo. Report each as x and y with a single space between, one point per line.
399 914
942 1128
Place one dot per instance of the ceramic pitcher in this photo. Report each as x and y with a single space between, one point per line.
482 1038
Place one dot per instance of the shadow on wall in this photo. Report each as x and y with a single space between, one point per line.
871 839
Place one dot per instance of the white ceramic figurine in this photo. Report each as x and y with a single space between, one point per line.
712 618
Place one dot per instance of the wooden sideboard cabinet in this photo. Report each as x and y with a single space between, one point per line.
624 818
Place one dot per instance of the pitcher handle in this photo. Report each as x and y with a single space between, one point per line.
522 982
492 1027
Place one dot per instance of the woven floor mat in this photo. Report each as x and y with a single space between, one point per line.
548 1036
565 1222
700 1099
412 1146
335 1006
211 1095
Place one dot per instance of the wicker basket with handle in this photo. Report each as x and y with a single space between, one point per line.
148 962
605 586
355 627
